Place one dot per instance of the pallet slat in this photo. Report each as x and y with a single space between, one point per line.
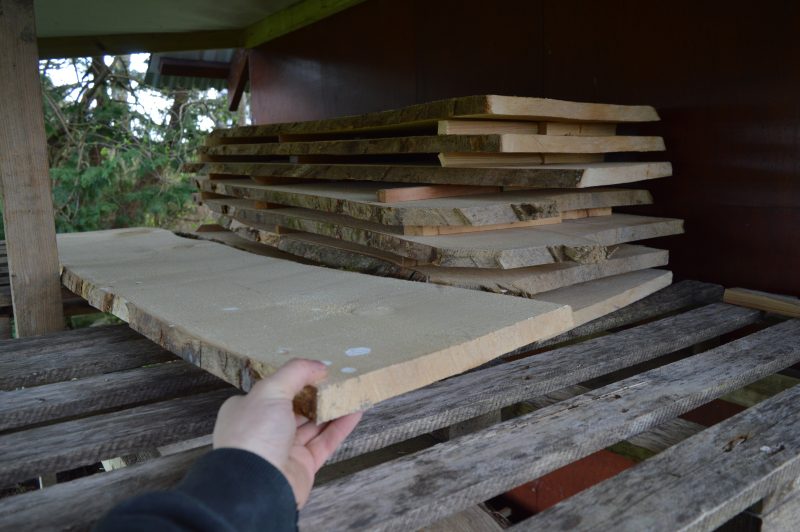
697 485
480 465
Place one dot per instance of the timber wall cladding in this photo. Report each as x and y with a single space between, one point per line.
724 85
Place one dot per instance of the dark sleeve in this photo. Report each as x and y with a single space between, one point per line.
225 490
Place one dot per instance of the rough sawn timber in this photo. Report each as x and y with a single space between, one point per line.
584 240
426 114
240 315
357 200
505 143
536 176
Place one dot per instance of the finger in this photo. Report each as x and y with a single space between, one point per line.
307 432
290 379
324 445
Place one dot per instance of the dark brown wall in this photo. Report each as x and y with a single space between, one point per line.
725 77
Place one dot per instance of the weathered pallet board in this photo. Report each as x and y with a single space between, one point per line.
523 282
710 477
541 176
358 200
480 465
57 506
583 240
75 354
70 444
505 143
483 106
163 286
29 406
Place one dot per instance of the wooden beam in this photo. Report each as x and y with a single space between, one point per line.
93 45
238 76
392 195
779 304
24 177
292 18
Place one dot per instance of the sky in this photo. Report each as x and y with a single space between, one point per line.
150 101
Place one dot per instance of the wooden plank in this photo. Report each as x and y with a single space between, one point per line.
780 510
434 230
28 215
683 295
393 195
238 77
495 127
357 200
779 304
711 477
485 106
505 143
480 465
83 441
542 176
525 282
78 504
427 411
583 240
490 160
593 299
488 389
75 354
81 397
162 285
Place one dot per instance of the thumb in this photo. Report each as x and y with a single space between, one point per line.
290 379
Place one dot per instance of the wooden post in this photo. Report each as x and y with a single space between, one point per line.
24 177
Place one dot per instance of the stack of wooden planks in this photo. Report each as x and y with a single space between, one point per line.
495 193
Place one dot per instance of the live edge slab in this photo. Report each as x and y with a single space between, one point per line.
240 316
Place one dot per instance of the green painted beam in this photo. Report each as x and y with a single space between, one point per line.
293 18
280 23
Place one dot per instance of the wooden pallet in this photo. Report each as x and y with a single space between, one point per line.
127 398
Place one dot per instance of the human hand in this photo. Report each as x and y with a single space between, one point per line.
263 422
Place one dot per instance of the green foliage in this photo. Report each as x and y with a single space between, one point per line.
111 163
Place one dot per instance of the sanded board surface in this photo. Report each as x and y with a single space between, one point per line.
484 127
357 200
523 282
582 240
505 143
481 106
240 315
593 299
536 176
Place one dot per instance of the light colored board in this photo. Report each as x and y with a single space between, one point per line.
584 240
505 143
392 195
28 216
593 299
483 106
434 230
499 160
357 200
494 127
523 282
779 304
710 477
240 315
536 176
481 465
585 213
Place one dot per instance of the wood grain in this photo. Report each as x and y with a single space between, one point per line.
779 304
28 215
477 466
162 285
711 477
583 240
357 200
489 106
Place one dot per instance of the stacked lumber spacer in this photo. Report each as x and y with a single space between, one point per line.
496 193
